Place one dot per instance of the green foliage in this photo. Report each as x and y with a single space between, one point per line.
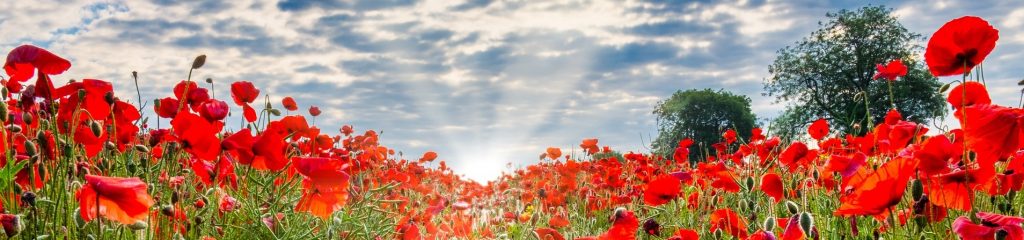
823 74
701 115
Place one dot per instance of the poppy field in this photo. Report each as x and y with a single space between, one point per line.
80 162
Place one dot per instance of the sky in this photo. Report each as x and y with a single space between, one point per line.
487 84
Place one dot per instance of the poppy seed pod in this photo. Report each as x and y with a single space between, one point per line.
651 227
1001 234
199 61
28 198
209 80
135 74
806 222
792 207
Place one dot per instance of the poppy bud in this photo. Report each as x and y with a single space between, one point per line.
28 198
30 148
4 91
944 87
652 227
3 111
14 128
25 116
209 80
916 189
156 102
138 225
135 75
198 220
275 112
769 224
167 210
111 146
792 207
199 61
175 197
750 183
109 97
806 222
141 148
718 233
97 130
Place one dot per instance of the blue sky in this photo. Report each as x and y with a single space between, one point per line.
487 84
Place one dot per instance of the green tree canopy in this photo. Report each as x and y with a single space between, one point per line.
829 74
702 115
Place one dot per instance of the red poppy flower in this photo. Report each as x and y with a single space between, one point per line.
428 156
771 184
662 190
682 152
553 153
624 226
289 103
729 136
761 235
936 155
891 71
314 111
845 165
268 148
347 130
124 200
729 222
685 234
796 156
244 93
325 185
197 136
166 107
547 234
213 110
968 94
819 129
993 132
875 192
991 223
953 190
10 223
959 45
590 145
558 220
24 60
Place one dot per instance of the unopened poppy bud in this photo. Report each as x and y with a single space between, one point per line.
3 111
944 87
156 102
209 80
815 174
135 74
97 130
769 224
916 189
138 225
141 148
198 220
109 97
718 233
175 197
750 183
275 112
743 203
199 61
792 207
30 148
27 117
167 210
268 106
28 198
806 222
4 91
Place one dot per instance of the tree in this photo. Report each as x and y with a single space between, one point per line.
701 115
829 75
